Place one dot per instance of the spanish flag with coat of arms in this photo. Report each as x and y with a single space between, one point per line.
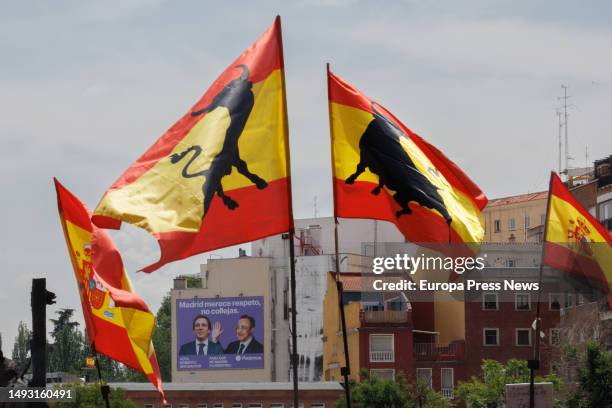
119 324
575 241
220 175
382 170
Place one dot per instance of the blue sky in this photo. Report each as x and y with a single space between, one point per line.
88 86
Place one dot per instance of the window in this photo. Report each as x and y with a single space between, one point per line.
148 405
569 299
383 374
424 376
277 405
381 347
580 299
202 406
605 210
218 405
511 224
554 301
318 405
511 263
236 405
255 405
523 337
167 406
555 337
527 221
522 301
490 337
184 406
497 226
447 383
489 301
542 219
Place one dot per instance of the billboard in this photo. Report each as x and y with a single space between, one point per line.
220 333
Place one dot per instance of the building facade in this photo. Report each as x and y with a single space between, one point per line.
233 395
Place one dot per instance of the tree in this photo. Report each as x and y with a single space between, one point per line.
490 391
374 392
594 380
89 396
21 347
66 353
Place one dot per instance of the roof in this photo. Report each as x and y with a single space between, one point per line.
352 283
540 195
238 386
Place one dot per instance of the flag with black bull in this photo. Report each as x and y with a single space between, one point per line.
382 170
220 175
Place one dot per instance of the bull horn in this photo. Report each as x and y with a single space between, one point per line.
245 72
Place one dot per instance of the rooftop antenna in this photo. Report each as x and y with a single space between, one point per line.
316 212
560 140
565 115
586 156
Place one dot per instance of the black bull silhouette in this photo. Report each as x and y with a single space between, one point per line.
382 153
237 96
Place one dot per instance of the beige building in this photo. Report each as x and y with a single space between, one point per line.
231 278
515 218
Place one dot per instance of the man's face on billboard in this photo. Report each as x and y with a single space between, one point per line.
243 329
201 329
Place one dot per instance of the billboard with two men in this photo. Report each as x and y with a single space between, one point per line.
220 333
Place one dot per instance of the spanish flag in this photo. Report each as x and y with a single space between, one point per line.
119 323
575 241
382 170
220 175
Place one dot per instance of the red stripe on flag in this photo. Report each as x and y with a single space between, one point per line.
423 226
261 215
560 257
262 58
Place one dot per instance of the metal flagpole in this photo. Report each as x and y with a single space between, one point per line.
534 364
294 353
104 388
346 370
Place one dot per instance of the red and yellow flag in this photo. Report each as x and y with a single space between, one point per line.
382 170
575 241
119 323
220 175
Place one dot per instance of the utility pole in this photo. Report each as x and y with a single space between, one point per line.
40 298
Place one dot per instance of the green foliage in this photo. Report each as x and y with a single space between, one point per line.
21 347
89 396
194 282
66 352
490 390
595 380
374 392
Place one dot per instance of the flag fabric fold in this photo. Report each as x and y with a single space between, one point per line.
220 175
118 322
575 241
382 170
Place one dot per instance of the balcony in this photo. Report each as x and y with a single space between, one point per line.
384 316
382 356
438 352
448 393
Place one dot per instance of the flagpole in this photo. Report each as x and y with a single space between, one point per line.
346 370
294 352
104 389
535 362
